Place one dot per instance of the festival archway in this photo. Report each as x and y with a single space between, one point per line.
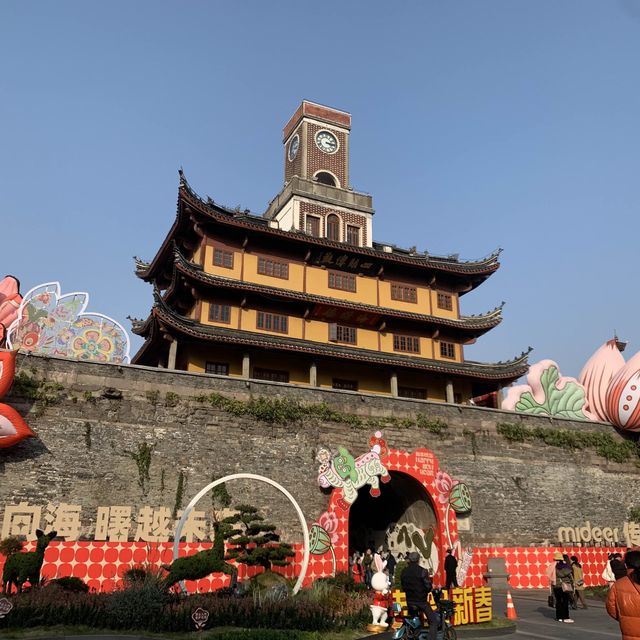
446 495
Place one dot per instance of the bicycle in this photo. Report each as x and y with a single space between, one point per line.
412 628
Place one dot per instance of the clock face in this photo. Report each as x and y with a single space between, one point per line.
326 142
293 147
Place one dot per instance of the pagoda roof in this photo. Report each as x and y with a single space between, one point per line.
163 318
193 211
475 324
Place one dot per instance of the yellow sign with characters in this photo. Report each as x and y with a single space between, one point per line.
472 604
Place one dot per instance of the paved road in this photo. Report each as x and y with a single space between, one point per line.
536 620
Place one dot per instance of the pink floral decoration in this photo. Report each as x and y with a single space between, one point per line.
444 484
330 523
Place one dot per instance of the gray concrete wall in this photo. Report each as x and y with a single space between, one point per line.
96 414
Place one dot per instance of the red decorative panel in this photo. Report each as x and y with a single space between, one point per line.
101 564
527 565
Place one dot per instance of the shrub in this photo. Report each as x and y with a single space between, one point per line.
134 576
342 581
10 546
138 606
70 583
149 607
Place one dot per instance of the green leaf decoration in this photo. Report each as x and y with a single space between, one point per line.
568 402
34 314
319 540
460 498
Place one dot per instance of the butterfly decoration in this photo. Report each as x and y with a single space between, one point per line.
13 428
52 324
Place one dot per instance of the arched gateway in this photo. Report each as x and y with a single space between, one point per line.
401 499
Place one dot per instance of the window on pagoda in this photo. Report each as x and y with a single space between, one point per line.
342 281
222 258
353 235
219 368
404 293
345 385
333 227
412 392
445 301
219 312
342 333
312 226
272 375
447 350
275 268
408 344
272 322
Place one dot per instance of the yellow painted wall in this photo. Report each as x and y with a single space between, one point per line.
318 331
234 273
298 368
444 313
250 319
294 283
386 344
370 379
423 297
421 380
235 316
199 356
197 255
458 352
318 283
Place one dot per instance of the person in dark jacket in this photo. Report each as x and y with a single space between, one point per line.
562 588
416 584
450 568
391 565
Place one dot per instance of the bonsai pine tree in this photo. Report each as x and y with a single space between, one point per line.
254 542
10 546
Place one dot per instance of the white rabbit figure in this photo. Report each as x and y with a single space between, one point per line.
380 583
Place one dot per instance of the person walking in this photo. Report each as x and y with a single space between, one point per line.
391 566
417 585
367 566
561 581
607 572
578 582
623 601
450 568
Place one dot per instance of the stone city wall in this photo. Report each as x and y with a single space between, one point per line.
138 437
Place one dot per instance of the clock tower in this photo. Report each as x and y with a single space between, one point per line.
316 144
317 198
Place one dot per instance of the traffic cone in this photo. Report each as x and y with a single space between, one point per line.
511 610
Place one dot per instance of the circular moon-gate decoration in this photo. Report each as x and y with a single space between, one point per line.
247 476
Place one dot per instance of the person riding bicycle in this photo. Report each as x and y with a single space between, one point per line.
417 585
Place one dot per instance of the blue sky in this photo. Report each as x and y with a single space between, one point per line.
476 125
